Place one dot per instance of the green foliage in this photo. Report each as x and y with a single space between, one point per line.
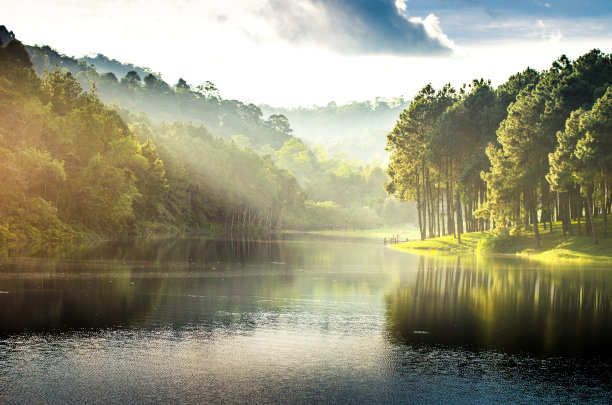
69 162
210 181
62 91
501 154
555 245
325 213
139 89
498 242
347 182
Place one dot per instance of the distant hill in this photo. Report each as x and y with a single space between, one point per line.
142 90
5 34
357 128
103 64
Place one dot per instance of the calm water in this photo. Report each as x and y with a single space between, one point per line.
300 320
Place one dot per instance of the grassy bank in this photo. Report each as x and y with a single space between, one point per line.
554 246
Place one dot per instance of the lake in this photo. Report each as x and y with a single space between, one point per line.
303 319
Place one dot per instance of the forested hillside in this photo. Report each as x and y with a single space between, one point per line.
142 90
341 189
73 165
70 165
535 150
356 128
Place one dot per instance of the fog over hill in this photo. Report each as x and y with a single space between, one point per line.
357 128
219 159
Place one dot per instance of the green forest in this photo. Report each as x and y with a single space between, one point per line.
85 154
535 150
95 147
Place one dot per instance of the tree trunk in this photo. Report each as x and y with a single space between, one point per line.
425 202
551 207
545 205
563 218
534 218
459 218
442 215
526 209
432 215
438 205
604 210
458 207
419 208
568 214
590 210
449 200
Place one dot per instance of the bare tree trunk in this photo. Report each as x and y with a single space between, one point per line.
579 224
568 214
449 201
589 199
438 205
551 207
604 210
562 208
425 202
419 208
442 215
527 208
458 207
545 212
459 217
534 219
430 206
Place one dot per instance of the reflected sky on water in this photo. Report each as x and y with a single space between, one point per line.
302 319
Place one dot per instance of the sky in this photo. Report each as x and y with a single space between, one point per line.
310 52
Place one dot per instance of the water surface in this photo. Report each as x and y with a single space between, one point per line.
303 319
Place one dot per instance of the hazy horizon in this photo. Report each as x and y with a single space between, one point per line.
310 52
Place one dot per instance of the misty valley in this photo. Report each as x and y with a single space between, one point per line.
161 243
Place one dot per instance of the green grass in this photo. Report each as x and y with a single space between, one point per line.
554 246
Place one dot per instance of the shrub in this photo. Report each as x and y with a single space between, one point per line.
495 242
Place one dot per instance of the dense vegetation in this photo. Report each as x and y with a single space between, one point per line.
140 90
340 190
535 150
346 191
72 165
69 165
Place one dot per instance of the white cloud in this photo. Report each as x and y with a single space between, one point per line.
401 6
345 28
431 24
247 59
555 36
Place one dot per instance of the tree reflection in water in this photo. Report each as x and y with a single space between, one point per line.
507 305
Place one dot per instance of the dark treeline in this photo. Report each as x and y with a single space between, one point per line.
70 165
535 150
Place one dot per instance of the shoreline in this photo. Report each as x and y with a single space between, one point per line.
554 246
